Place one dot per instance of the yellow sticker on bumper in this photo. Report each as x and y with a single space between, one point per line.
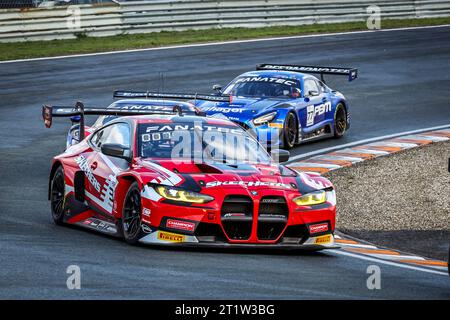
275 125
169 236
323 239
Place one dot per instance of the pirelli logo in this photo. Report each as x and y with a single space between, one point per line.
170 237
323 239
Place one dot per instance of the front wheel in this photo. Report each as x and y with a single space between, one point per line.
131 217
340 121
57 196
290 131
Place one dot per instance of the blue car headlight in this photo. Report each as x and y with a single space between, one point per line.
265 118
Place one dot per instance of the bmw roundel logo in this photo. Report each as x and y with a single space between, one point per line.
254 193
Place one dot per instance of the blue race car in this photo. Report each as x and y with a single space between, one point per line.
283 105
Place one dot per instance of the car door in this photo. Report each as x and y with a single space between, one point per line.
106 168
317 103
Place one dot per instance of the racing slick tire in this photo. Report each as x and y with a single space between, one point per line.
131 215
290 131
57 196
340 121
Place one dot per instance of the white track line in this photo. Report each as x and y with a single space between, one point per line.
389 263
224 43
359 142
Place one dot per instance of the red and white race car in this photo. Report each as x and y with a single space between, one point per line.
181 179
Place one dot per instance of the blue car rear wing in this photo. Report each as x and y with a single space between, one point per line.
352 73
182 96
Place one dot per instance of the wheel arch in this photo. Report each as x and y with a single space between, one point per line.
344 103
123 184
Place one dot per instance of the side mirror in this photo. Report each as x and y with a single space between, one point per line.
116 150
218 88
280 155
313 93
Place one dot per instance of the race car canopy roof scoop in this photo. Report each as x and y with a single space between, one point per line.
182 96
49 112
352 73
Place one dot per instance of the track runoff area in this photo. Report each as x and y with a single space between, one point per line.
346 156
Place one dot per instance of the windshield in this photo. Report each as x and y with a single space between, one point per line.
199 142
256 86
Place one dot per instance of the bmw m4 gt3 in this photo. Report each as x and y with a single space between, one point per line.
185 180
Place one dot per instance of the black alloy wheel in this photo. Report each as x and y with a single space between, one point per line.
57 196
131 217
290 131
340 121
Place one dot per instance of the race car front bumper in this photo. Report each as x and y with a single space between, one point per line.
240 217
165 238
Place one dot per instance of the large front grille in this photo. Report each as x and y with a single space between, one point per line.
237 217
272 217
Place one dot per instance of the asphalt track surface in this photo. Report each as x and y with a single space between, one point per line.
404 85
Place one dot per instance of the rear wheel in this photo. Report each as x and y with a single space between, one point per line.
290 131
57 196
131 217
340 121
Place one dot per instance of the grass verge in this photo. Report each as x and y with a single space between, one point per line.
34 49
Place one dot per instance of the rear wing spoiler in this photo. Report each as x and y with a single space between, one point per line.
352 73
177 96
50 112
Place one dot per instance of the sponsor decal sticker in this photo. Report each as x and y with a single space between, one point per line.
223 109
313 111
146 212
306 69
267 79
84 166
100 225
323 239
170 237
317 228
248 184
313 182
182 225
276 125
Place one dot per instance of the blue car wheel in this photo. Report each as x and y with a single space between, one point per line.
290 130
340 121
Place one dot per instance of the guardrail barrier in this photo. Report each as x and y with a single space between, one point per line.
113 18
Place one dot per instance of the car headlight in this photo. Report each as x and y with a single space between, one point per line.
175 194
265 118
310 199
